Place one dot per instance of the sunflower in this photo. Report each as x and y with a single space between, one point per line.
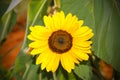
63 40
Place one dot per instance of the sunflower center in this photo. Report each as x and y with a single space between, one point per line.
60 41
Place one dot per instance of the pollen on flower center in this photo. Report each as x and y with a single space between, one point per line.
60 41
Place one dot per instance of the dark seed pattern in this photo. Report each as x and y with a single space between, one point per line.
60 41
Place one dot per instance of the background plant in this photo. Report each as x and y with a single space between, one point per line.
102 16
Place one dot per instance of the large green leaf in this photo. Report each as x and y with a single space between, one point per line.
107 26
84 72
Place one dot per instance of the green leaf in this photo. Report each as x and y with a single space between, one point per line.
64 75
107 40
21 61
84 72
31 72
36 11
6 24
61 74
71 76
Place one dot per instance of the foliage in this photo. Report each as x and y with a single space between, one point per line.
102 16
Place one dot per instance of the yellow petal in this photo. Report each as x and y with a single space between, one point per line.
80 43
86 34
81 22
82 49
67 62
42 57
38 50
88 51
74 57
63 62
55 22
39 33
46 60
80 54
82 31
49 23
67 22
61 19
71 23
51 63
71 61
31 28
86 37
35 51
56 62
38 44
35 37
36 28
31 38
58 20
74 25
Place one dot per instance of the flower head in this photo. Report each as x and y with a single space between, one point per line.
63 40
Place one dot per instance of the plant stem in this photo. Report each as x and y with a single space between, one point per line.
26 71
57 3
40 75
54 76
